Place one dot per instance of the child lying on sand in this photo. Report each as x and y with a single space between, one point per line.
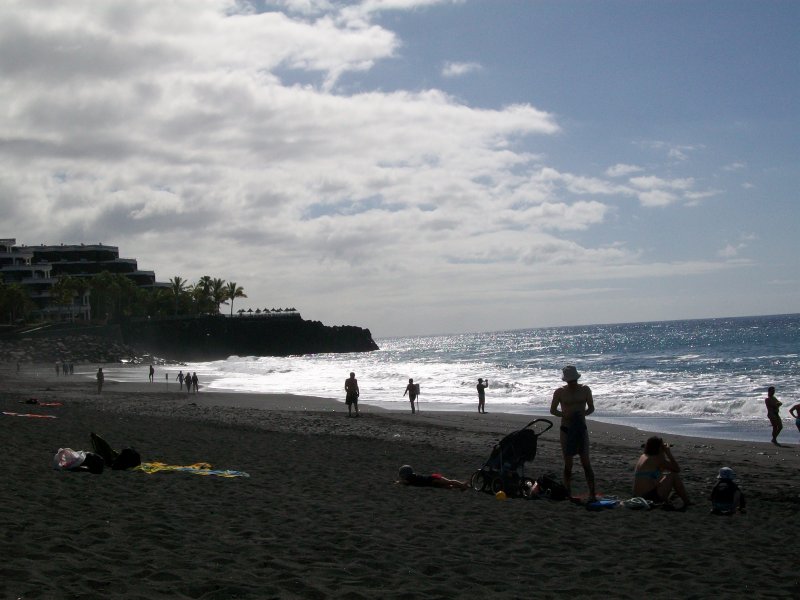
408 477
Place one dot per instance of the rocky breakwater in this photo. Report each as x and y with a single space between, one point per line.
80 348
217 337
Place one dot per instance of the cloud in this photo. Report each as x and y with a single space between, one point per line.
180 132
732 250
678 152
621 170
735 166
659 183
457 69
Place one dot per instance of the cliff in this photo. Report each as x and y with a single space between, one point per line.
217 337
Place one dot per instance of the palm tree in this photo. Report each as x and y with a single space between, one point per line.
233 291
218 292
178 288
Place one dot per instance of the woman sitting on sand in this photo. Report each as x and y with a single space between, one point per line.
656 474
408 477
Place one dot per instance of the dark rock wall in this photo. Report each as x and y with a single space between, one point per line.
209 338
181 339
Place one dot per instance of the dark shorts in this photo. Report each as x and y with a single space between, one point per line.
576 440
351 399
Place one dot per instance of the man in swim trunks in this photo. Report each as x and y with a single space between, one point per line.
352 393
576 403
482 385
411 390
773 406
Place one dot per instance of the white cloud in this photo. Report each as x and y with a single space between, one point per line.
457 69
622 170
656 198
735 166
678 152
659 183
172 131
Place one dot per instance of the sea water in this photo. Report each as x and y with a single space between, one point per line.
705 377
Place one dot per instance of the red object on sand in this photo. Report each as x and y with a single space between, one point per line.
14 414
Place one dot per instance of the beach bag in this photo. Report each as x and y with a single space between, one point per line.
103 448
93 463
67 458
128 458
551 487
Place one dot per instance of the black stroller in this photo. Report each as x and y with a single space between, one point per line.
505 469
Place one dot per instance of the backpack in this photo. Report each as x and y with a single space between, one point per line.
127 459
92 463
551 487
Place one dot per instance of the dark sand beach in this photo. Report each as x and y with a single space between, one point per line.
321 517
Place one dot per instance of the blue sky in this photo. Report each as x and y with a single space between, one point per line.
418 166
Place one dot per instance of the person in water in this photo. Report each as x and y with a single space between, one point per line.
351 394
773 406
573 402
656 474
482 385
411 390
795 412
408 477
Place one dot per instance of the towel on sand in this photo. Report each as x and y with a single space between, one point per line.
15 414
195 469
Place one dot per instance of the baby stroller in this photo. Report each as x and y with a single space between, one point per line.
505 469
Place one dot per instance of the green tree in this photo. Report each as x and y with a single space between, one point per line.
219 292
15 303
232 292
202 294
63 292
178 287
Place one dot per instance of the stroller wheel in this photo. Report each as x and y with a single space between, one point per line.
497 485
478 481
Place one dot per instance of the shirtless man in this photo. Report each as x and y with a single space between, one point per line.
773 406
352 393
411 390
576 404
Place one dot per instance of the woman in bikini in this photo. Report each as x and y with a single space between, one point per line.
657 474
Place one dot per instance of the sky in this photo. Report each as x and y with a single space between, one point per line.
418 166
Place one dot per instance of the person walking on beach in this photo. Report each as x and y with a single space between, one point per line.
194 382
773 406
482 385
412 390
795 412
573 403
152 372
351 394
179 377
100 379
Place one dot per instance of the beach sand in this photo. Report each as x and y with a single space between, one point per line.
321 516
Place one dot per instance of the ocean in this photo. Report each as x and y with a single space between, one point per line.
702 377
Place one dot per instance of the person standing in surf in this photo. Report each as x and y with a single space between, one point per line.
795 412
351 394
573 403
482 385
411 390
773 407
